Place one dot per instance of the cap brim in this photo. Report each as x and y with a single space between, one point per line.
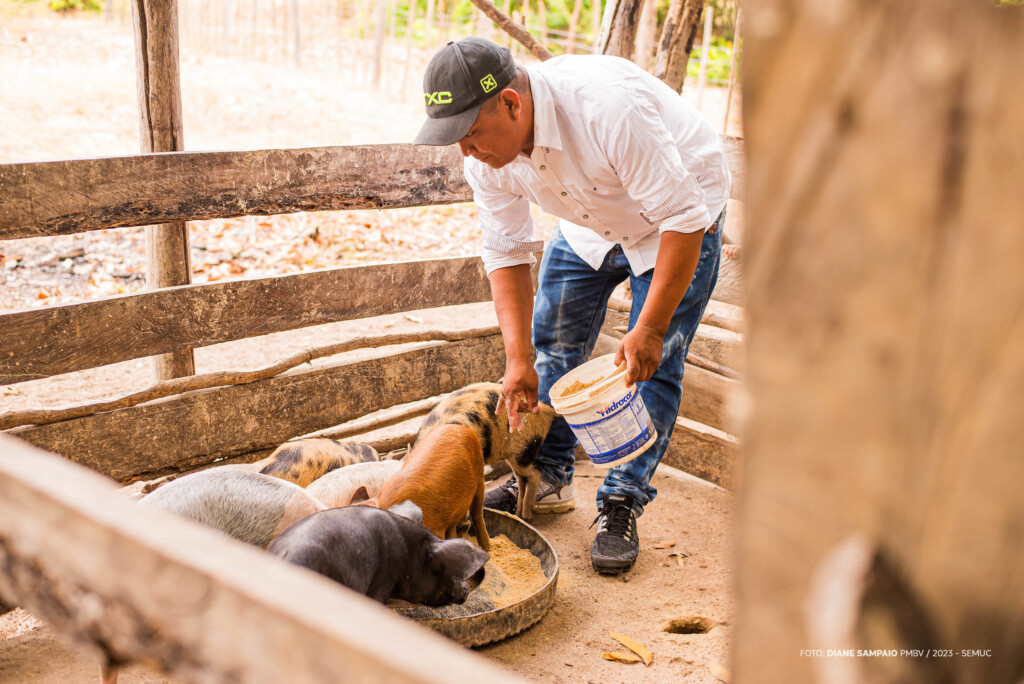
449 130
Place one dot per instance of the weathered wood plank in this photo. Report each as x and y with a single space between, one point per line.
42 342
885 303
129 583
199 427
720 345
704 452
63 197
706 397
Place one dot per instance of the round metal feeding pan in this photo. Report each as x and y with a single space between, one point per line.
494 610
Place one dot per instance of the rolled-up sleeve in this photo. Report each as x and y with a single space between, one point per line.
647 162
505 222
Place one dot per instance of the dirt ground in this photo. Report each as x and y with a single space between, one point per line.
56 107
661 595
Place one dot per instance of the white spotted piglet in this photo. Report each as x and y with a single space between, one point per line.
352 484
250 507
305 460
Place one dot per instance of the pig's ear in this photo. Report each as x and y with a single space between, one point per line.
458 559
407 509
361 494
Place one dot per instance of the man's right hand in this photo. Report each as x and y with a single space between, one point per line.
512 290
518 393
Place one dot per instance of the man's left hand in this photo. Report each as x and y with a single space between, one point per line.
641 349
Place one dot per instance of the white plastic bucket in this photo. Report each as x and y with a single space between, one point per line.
608 418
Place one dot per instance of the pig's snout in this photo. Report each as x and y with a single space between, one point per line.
463 588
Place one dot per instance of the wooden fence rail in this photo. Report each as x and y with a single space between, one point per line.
129 583
64 197
60 339
197 428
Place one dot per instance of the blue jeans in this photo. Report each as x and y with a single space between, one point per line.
568 315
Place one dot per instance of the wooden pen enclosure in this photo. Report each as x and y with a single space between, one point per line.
84 561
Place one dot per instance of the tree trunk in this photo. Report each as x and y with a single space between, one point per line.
677 41
882 466
618 27
159 87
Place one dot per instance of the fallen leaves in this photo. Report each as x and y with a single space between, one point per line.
620 657
679 556
634 646
665 544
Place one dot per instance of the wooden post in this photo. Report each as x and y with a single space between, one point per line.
542 17
618 27
410 25
227 17
379 30
159 87
295 22
646 38
595 20
507 11
677 41
705 51
881 505
732 71
574 20
430 25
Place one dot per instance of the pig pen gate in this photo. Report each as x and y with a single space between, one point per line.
129 587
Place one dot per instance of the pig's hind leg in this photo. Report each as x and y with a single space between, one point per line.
476 511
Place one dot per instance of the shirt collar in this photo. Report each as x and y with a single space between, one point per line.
545 125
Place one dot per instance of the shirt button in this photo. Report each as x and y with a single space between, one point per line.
607 232
542 167
625 239
586 216
546 149
564 193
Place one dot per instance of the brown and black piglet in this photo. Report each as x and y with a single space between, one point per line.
444 476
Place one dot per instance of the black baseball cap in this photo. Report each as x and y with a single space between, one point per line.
459 79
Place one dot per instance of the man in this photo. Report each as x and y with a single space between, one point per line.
640 182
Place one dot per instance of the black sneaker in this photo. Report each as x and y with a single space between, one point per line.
617 543
551 498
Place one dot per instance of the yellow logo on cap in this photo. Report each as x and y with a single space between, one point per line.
488 83
440 97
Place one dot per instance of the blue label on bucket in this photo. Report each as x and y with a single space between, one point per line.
625 429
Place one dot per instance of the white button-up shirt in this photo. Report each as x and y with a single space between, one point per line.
617 155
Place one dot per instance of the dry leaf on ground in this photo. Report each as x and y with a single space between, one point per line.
634 646
665 544
620 657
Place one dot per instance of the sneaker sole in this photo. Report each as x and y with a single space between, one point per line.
555 506
611 567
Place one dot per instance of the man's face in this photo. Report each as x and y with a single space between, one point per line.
495 138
